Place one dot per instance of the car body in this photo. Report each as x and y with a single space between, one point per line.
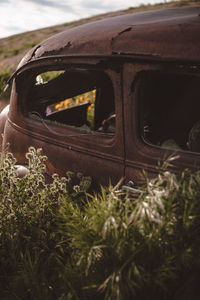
110 98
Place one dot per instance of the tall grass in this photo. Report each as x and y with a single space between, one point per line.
141 247
57 242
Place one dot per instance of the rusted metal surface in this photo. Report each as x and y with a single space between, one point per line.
108 55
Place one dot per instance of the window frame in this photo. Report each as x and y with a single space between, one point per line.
143 108
58 135
141 155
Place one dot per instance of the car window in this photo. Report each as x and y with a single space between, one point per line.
79 98
170 110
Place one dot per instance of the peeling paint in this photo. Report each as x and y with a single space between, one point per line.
53 52
125 30
34 52
118 34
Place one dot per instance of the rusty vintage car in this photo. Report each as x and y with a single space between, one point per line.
112 97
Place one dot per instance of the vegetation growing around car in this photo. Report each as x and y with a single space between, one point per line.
56 242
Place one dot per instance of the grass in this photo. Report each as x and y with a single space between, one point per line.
59 242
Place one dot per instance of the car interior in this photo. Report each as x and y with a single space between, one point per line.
79 98
170 110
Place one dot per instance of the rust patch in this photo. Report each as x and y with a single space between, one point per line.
125 30
119 33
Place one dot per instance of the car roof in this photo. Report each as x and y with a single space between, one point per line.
171 33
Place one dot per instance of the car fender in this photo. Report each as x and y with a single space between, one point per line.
3 118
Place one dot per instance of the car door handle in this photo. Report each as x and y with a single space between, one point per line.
131 189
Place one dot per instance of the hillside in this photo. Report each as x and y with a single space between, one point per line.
13 48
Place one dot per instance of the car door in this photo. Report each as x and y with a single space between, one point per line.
74 113
161 115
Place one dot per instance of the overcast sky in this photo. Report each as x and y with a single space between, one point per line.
23 15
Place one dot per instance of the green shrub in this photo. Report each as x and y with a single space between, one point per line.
29 241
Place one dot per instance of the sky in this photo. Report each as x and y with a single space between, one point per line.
18 16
